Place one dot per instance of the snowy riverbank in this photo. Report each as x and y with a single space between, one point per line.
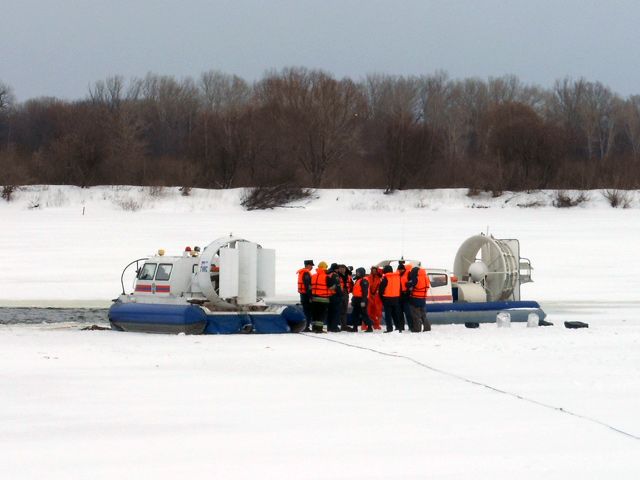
71 248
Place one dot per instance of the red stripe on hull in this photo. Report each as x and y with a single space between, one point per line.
440 298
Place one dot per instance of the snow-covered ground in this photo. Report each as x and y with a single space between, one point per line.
102 404
73 246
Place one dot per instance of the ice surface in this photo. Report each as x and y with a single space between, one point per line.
55 253
105 405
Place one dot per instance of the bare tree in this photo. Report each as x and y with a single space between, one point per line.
402 142
566 109
321 117
6 97
220 91
108 92
444 111
630 120
598 117
170 107
7 101
526 149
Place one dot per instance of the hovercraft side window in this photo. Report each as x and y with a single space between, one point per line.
438 279
148 271
164 272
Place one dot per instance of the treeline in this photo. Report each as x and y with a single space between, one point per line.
306 128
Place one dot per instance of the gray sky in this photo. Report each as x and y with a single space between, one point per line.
59 47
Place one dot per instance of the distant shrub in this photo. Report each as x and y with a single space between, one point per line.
7 192
156 191
473 192
128 204
185 191
56 199
34 203
532 204
617 198
562 199
262 198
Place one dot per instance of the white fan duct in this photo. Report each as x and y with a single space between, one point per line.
235 272
493 263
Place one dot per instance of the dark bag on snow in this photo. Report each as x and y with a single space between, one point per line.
576 325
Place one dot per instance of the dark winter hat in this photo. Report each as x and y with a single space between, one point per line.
334 266
309 262
361 272
387 269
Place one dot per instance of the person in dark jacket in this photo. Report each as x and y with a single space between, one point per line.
346 286
359 301
304 289
390 293
335 301
405 308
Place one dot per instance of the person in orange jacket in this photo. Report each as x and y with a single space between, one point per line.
321 292
304 289
390 293
359 302
418 286
374 307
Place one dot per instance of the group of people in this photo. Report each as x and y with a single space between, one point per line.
400 294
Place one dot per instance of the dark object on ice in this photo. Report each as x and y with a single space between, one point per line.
576 325
95 327
544 323
246 328
472 324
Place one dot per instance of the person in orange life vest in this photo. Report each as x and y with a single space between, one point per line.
320 294
304 289
359 301
418 285
335 300
374 306
405 308
346 286
390 293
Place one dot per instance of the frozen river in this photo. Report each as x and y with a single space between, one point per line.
455 403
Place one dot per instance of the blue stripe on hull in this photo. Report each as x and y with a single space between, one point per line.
481 312
479 306
289 320
163 318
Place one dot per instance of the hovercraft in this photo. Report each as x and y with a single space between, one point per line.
219 290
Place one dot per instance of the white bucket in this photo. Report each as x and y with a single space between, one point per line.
533 320
503 320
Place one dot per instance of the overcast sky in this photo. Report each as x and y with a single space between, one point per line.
59 47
